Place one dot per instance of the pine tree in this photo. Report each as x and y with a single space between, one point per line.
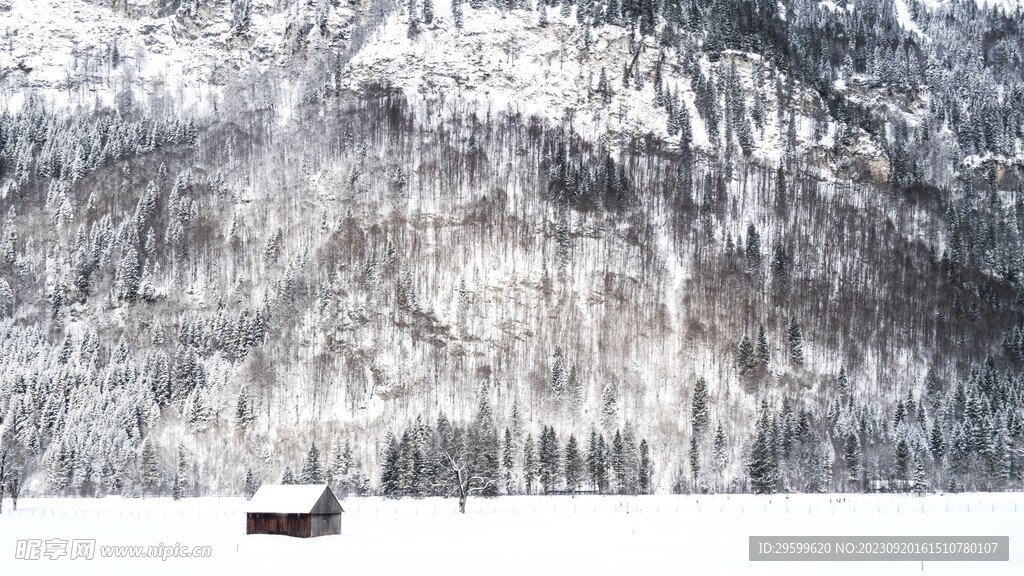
1002 460
6 299
609 407
508 461
390 480
597 461
700 415
647 17
414 22
796 343
932 384
762 354
550 459
851 456
936 443
289 476
685 131
761 466
178 487
241 16
920 485
646 469
780 268
339 470
603 88
574 465
575 388
558 379
485 449
619 463
250 486
903 457
632 461
752 252
958 447
14 485
843 383
149 475
659 89
720 450
457 13
530 465
745 360
899 414
126 283
312 472
428 11
244 414
694 460
671 109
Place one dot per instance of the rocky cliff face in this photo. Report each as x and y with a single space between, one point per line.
81 53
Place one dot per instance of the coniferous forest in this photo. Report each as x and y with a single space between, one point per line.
420 296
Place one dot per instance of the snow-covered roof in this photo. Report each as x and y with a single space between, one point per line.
292 499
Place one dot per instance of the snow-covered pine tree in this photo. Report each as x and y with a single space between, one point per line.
180 471
244 413
574 385
851 457
745 360
609 408
592 459
126 283
761 466
903 459
694 455
549 459
289 476
149 473
312 471
530 464
574 465
603 88
932 383
796 343
762 355
250 485
558 379
843 383
645 470
631 458
720 451
700 414
920 484
752 253
457 13
508 462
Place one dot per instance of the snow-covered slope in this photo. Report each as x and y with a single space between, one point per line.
506 61
79 53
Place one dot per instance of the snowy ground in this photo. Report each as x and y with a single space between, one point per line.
512 535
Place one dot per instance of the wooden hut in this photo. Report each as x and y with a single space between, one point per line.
300 510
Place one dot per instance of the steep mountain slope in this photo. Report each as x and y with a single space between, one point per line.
777 242
181 54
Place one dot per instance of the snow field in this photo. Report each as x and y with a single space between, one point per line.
513 535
